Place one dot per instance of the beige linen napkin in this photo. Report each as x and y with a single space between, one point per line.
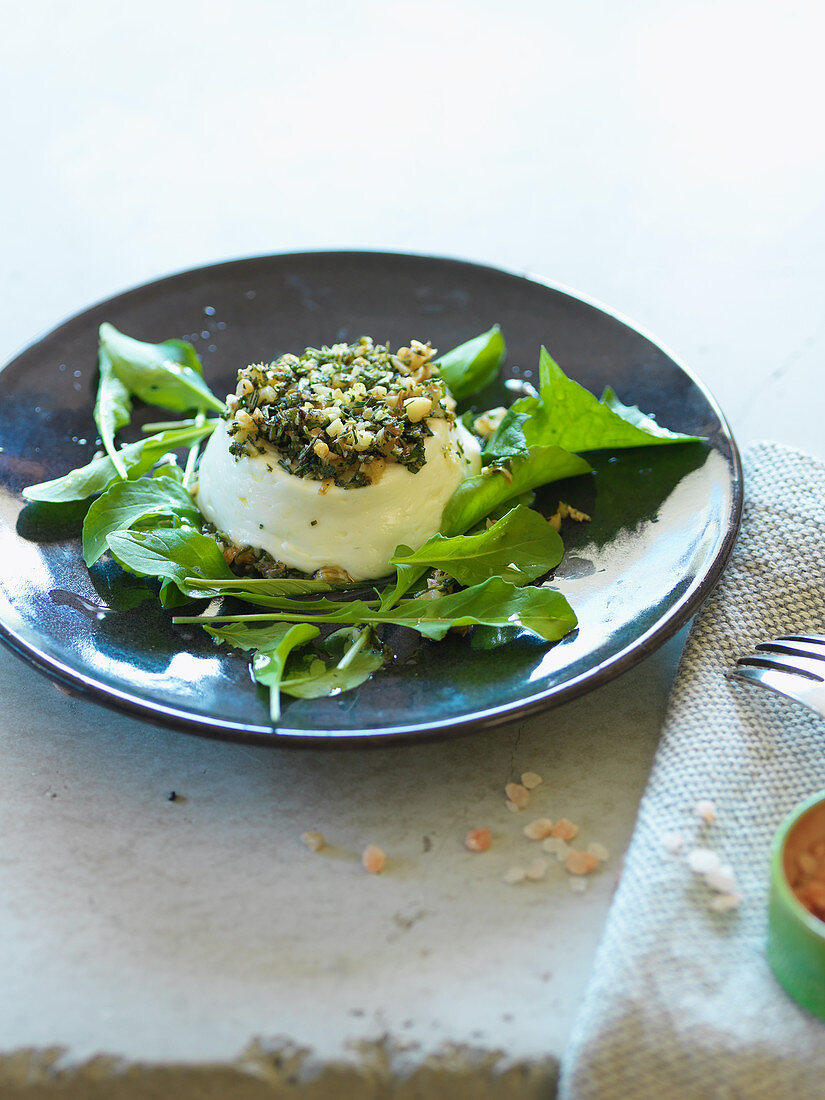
682 1003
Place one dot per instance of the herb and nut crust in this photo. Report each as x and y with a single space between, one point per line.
339 413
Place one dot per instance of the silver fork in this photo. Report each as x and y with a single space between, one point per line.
793 665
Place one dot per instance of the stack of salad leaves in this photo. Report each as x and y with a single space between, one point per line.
491 542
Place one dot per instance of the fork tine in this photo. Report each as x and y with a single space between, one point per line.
786 658
812 644
809 691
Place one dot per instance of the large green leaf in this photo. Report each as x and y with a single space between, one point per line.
543 611
353 656
113 407
477 496
126 503
567 415
272 646
101 472
168 374
171 554
520 547
474 364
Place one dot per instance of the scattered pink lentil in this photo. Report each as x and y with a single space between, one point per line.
517 794
314 841
564 829
538 829
580 863
514 875
374 859
478 840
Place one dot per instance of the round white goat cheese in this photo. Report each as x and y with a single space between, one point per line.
309 524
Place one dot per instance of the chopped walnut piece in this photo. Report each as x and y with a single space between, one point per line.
565 511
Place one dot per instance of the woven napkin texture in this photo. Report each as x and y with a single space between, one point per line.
682 1003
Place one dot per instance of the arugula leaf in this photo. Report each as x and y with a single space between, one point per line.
101 472
519 548
258 589
273 645
127 502
167 374
484 494
355 656
494 602
113 408
509 440
474 364
177 555
476 496
406 576
567 415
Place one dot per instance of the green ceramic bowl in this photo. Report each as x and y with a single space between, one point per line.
796 938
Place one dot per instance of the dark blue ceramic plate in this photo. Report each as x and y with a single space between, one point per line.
664 519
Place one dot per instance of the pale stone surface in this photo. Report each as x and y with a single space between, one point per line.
179 932
635 152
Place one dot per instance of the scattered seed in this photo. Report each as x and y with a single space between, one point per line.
530 780
703 861
580 863
374 859
538 829
512 807
518 794
564 829
478 840
578 885
514 875
536 869
314 841
706 810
